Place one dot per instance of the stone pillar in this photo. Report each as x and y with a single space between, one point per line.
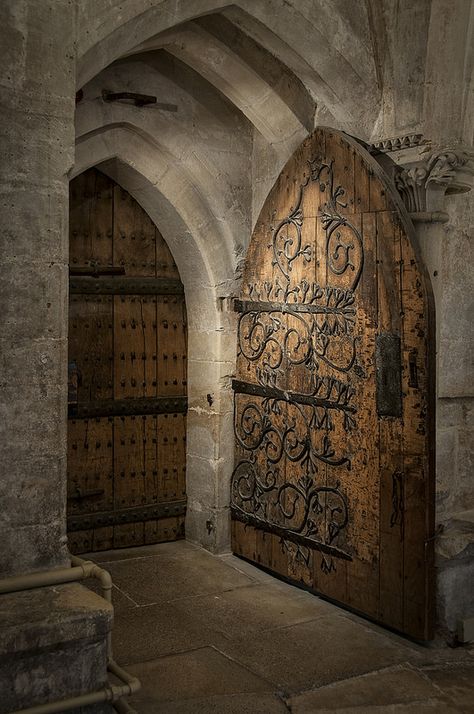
37 96
52 640
210 432
433 182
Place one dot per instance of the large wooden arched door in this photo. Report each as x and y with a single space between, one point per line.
127 363
333 479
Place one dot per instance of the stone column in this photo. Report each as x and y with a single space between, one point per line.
434 182
52 639
210 431
37 97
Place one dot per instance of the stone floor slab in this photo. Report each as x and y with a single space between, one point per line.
120 601
432 706
158 579
198 674
251 630
456 681
243 566
318 652
174 549
389 688
246 611
145 633
232 704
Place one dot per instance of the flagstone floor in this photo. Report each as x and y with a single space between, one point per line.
214 635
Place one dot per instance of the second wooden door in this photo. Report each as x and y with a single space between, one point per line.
127 368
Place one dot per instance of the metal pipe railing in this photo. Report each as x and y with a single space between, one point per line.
80 570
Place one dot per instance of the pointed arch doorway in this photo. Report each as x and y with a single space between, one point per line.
127 374
333 410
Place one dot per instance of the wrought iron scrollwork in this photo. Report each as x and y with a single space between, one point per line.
295 438
287 248
272 432
292 444
281 338
344 246
303 513
396 517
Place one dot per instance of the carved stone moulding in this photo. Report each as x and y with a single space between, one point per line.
424 174
396 143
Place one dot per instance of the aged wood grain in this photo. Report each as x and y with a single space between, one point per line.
326 490
125 347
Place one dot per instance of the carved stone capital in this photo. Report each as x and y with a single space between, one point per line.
449 171
424 174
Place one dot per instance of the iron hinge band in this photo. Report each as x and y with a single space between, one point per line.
127 515
128 407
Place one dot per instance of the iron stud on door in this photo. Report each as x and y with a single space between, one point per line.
116 289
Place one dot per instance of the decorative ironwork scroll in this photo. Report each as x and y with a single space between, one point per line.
270 431
396 517
291 444
344 248
278 337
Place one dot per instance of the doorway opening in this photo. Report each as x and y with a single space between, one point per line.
127 366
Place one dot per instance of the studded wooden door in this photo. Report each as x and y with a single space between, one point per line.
333 479
127 369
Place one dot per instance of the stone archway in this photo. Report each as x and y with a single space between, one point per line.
211 337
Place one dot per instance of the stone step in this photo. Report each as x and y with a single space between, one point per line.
53 645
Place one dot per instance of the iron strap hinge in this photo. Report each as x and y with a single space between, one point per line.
123 285
154 512
128 407
246 306
260 390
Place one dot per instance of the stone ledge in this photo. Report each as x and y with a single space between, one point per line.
45 616
53 645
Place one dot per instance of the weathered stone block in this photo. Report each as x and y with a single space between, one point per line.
34 223
445 470
456 340
42 291
36 376
201 479
32 490
36 146
455 599
52 645
208 527
38 48
34 547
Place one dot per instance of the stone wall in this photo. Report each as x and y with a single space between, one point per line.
455 418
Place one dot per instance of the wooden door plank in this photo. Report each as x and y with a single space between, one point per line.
164 530
91 345
135 352
103 539
90 466
90 219
171 457
134 236
415 384
129 535
129 465
390 435
171 345
80 541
